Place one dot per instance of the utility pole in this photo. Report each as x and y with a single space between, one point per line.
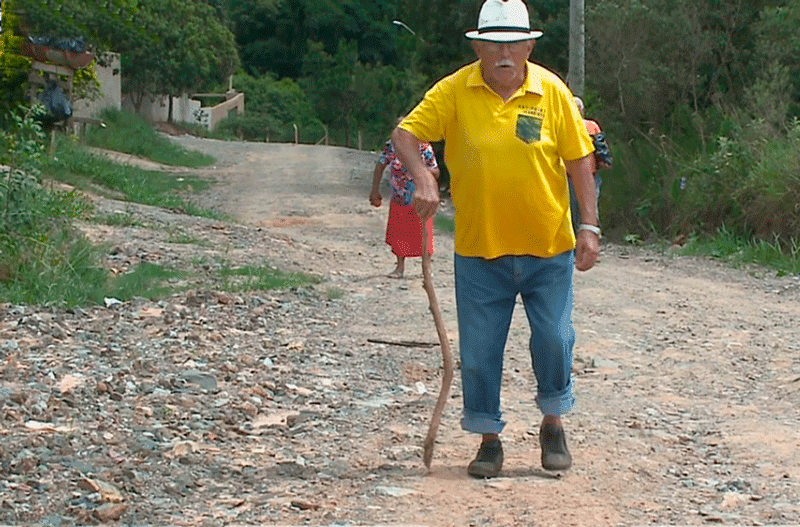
575 76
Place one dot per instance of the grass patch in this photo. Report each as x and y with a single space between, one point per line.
334 293
55 268
444 223
146 280
738 251
131 134
261 278
76 166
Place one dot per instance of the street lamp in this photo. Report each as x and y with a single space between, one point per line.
398 23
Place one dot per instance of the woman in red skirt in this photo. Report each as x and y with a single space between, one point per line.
404 227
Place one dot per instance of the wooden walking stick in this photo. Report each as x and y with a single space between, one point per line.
447 356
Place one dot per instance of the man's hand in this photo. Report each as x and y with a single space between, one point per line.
426 186
426 195
587 248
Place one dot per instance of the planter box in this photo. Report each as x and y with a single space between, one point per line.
57 56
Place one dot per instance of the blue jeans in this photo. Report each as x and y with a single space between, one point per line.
486 293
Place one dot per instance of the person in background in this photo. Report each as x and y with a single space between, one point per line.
593 129
510 128
404 226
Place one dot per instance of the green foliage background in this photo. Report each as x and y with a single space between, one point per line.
699 98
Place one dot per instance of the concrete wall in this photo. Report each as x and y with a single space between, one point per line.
186 110
110 90
211 116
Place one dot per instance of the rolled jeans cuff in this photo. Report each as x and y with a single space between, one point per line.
481 423
556 404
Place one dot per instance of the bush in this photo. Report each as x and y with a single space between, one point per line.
43 258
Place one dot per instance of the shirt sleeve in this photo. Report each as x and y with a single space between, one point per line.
428 120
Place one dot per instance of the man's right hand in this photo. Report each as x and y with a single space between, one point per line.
426 195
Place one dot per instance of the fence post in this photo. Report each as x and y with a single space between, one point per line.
359 139
296 136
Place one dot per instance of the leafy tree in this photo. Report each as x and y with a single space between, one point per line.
328 81
95 21
273 107
175 47
269 35
13 66
273 35
165 46
778 46
644 57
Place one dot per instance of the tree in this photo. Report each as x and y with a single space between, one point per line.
175 47
328 81
94 21
165 45
13 66
273 35
646 57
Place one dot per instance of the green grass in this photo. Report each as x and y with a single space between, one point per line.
739 251
146 280
46 260
443 224
260 278
75 165
129 133
183 238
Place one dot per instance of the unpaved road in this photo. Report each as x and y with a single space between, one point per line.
688 373
687 378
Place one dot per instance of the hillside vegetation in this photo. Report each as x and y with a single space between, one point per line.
699 99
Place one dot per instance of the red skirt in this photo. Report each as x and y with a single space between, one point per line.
404 231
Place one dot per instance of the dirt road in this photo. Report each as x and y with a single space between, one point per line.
688 373
687 378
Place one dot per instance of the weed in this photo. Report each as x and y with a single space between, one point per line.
334 293
183 238
119 219
146 280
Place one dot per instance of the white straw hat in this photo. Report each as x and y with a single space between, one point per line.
503 21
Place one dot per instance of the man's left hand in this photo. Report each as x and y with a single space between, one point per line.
587 248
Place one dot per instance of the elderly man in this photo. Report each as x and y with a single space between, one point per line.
512 132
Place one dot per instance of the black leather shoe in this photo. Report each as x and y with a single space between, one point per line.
488 462
555 454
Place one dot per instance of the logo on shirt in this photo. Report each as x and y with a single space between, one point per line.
529 128
533 111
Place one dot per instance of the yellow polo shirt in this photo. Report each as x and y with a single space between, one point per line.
507 178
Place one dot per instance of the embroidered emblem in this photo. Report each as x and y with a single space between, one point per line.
529 128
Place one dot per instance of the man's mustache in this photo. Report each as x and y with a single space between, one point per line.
504 62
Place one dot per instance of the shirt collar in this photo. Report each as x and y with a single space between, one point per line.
531 84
